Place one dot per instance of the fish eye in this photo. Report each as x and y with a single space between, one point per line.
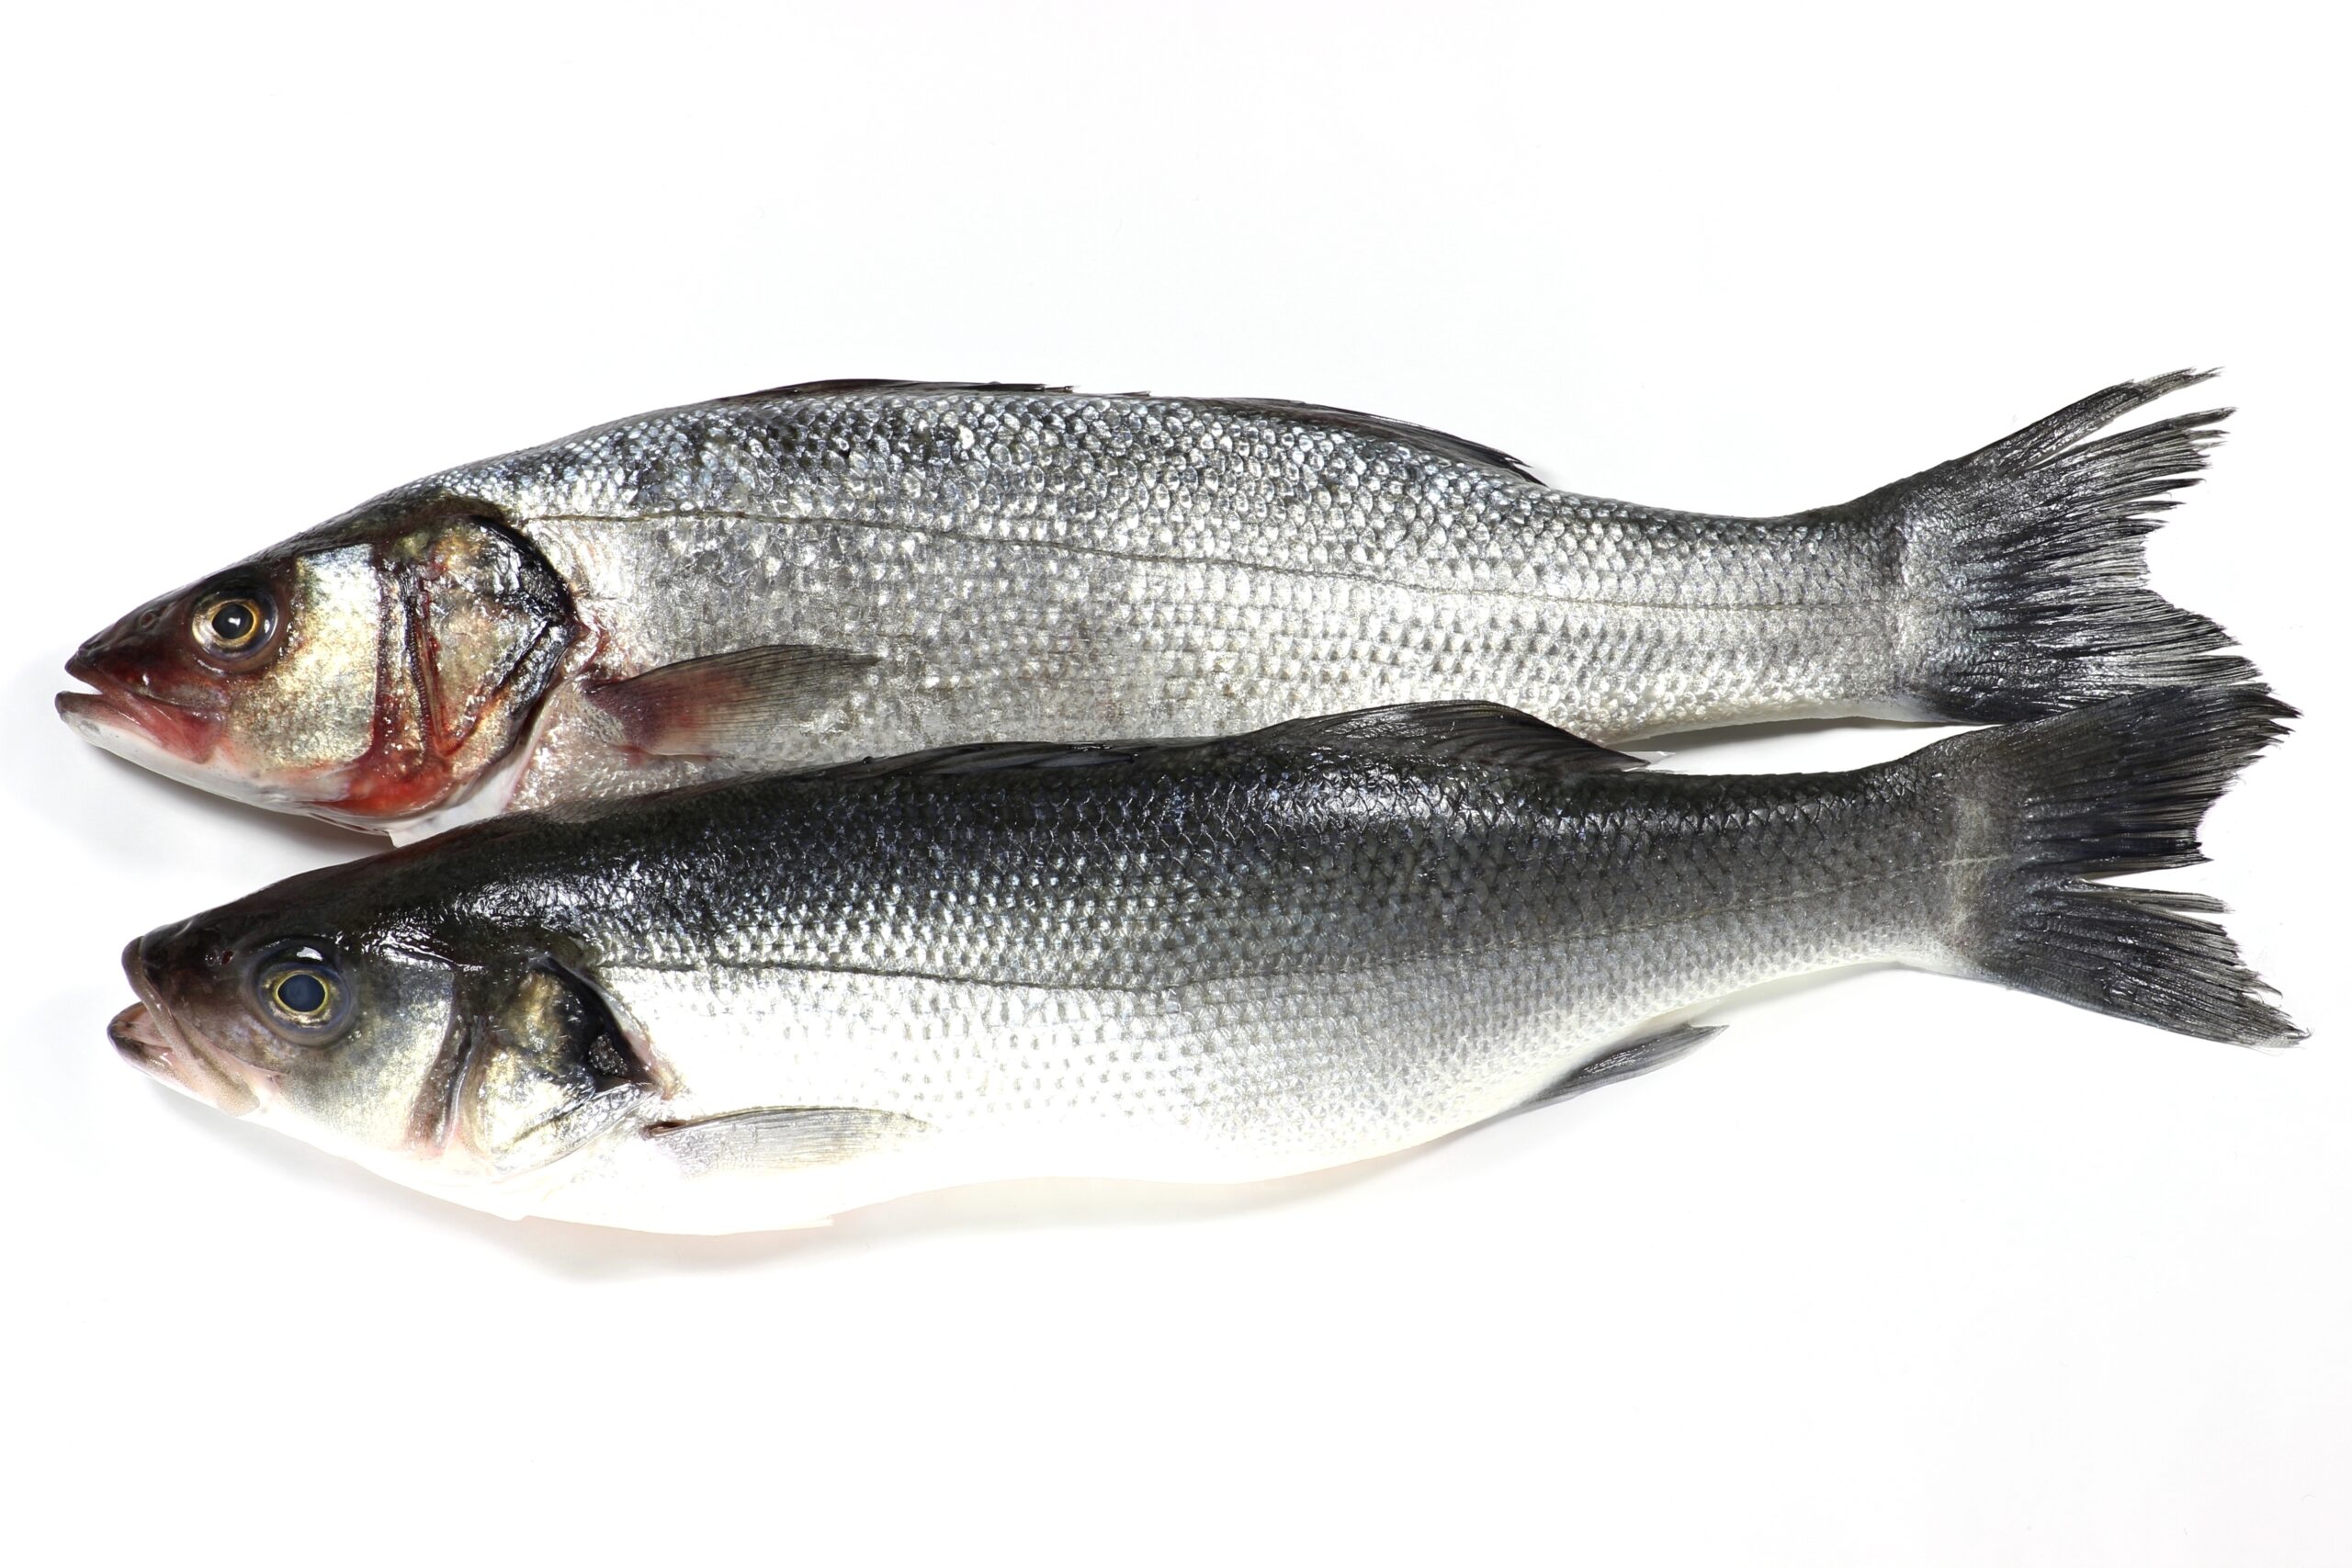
231 622
301 996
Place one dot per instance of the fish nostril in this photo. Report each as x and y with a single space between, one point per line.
96 653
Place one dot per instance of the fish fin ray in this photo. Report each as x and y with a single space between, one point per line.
2115 788
2028 558
728 705
846 386
1000 757
1380 427
1377 427
785 1138
1460 731
1479 732
1644 1054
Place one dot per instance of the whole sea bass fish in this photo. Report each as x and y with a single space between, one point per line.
859 567
755 1004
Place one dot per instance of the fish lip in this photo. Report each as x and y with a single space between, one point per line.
139 1035
176 742
146 1037
113 705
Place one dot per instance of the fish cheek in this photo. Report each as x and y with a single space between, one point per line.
312 709
369 1088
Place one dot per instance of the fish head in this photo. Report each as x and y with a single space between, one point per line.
457 1074
374 671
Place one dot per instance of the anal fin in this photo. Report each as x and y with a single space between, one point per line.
1631 1060
729 705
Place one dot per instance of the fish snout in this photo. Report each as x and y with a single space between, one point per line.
138 1032
158 964
142 690
143 962
121 654
150 1036
148 962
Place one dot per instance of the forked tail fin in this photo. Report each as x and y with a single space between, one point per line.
2105 790
2022 573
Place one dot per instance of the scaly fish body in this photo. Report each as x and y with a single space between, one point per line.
1048 564
759 1003
848 570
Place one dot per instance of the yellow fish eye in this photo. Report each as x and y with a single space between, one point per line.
230 623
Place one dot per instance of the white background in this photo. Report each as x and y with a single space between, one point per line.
1899 1270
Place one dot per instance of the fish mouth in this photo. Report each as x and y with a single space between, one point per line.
114 714
178 740
145 1036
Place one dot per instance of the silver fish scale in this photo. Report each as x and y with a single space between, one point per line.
1079 567
1215 964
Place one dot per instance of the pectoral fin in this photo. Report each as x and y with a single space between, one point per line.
789 1138
730 705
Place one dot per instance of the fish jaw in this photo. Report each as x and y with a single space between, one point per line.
180 744
151 1039
142 685
139 1032
142 1033
167 740
123 715
123 706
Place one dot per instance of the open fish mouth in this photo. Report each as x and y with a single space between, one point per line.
163 736
147 1040
119 719
137 1035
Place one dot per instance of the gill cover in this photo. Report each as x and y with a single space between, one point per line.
482 631
537 1067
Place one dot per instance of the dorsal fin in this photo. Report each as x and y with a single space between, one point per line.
1377 427
1000 757
1487 734
1482 732
845 385
1421 437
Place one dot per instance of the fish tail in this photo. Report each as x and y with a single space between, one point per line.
2043 805
2021 568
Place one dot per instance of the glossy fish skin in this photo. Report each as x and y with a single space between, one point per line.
757 1004
858 569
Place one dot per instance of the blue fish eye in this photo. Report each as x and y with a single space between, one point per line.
302 992
301 996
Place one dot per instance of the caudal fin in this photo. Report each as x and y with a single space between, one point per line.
2114 788
2023 570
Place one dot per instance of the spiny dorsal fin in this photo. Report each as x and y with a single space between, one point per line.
849 385
1377 427
1421 437
1000 757
1484 733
